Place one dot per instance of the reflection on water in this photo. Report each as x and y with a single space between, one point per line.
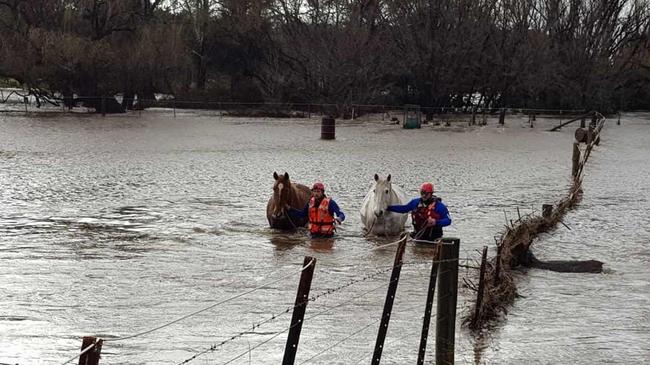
111 226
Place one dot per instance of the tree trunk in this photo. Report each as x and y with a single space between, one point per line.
108 105
128 100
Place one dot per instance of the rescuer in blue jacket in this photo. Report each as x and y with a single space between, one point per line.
428 213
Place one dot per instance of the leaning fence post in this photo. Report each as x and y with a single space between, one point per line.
481 287
547 210
90 357
427 308
575 160
388 304
497 266
302 298
447 298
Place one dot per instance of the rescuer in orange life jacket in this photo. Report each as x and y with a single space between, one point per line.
428 213
322 212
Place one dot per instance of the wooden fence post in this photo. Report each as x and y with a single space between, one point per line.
575 160
302 298
497 268
481 287
447 298
90 357
388 304
427 308
502 116
547 210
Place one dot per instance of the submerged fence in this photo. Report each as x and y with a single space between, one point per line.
496 289
444 275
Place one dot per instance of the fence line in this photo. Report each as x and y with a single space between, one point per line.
328 310
191 314
313 298
94 102
496 289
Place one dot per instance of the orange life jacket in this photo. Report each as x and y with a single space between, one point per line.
320 219
423 212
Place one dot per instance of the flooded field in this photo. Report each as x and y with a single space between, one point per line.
113 226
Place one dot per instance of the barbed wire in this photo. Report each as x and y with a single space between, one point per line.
288 309
342 340
325 311
353 334
193 313
213 305
275 316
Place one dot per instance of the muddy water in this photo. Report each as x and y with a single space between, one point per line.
113 226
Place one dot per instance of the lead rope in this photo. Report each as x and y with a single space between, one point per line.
371 227
285 212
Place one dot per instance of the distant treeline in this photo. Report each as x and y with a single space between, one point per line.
563 54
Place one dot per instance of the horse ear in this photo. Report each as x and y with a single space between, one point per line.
388 178
376 177
275 175
286 176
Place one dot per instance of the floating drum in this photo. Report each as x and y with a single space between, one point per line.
581 135
328 128
412 123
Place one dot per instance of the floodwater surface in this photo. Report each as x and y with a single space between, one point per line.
113 226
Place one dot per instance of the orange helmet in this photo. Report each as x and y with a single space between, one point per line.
318 186
427 187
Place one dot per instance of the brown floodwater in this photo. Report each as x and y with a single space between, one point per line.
111 226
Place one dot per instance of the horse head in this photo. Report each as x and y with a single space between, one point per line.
382 194
281 194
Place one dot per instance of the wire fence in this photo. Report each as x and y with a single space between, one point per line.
20 101
374 274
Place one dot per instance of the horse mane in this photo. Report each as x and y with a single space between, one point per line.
393 196
293 199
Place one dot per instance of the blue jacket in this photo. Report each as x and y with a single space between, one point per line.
333 209
441 209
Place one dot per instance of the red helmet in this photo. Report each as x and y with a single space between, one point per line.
318 186
427 187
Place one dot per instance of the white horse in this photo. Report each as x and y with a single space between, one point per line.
374 216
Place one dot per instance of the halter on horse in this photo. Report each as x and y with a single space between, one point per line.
375 218
286 193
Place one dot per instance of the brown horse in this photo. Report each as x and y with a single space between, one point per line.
286 193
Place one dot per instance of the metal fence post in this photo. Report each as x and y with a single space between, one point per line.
388 304
427 308
302 298
90 357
